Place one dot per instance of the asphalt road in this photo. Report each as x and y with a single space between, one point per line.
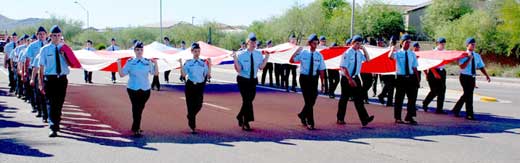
97 118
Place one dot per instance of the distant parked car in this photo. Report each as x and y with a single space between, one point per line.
2 44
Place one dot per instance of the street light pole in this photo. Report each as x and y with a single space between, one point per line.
352 19
192 20
160 1
88 16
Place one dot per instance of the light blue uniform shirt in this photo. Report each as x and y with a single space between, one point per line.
113 48
244 60
400 63
348 61
32 51
21 53
48 60
196 70
89 49
304 57
138 71
15 54
478 62
8 48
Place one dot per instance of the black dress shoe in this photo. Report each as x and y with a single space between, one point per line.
341 122
425 108
45 121
302 120
398 121
411 121
193 131
311 127
53 134
38 115
381 100
367 121
470 117
246 127
240 122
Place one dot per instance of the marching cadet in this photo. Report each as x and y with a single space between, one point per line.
417 47
268 68
8 48
26 71
166 41
312 65
468 66
183 45
333 78
437 80
325 83
242 46
350 67
30 56
388 82
247 63
290 69
196 71
53 78
138 87
88 74
406 81
15 60
113 47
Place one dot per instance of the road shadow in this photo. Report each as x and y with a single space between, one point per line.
93 128
13 146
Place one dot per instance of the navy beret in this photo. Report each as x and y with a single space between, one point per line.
323 38
33 37
14 34
393 38
195 46
243 43
312 37
269 42
441 40
357 38
41 29
292 36
259 43
89 41
406 37
183 42
113 39
416 44
252 37
470 40
138 44
55 29
334 44
348 41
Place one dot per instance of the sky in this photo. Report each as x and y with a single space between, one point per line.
124 13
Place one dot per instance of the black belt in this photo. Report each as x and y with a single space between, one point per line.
189 81
55 76
405 76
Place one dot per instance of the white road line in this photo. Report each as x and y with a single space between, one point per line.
212 105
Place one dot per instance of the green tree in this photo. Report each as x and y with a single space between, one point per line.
442 12
510 25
